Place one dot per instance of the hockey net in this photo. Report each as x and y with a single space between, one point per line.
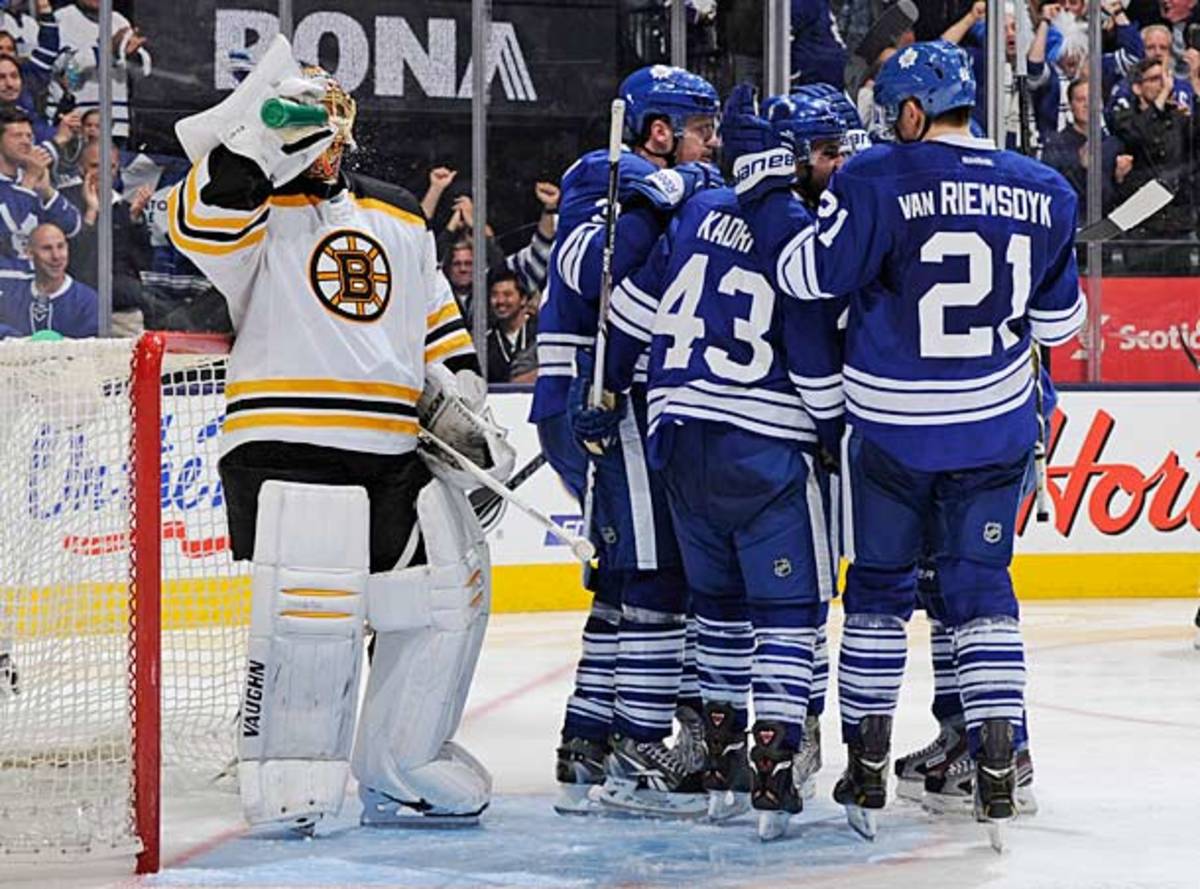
122 618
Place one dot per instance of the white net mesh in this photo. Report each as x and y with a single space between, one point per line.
66 757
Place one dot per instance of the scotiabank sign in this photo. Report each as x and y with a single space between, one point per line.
1123 475
1146 323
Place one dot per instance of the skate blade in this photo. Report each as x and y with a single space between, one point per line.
861 821
627 799
726 804
772 825
941 804
808 787
996 835
1026 802
577 799
911 790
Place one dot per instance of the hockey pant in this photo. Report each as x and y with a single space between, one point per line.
753 517
964 521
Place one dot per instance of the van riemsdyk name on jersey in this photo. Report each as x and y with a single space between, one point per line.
421 52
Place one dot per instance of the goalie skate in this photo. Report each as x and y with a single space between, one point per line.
580 771
382 810
649 779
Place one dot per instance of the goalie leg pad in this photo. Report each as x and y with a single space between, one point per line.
306 641
429 623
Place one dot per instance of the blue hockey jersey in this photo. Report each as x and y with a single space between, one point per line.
72 310
724 346
22 210
954 255
567 318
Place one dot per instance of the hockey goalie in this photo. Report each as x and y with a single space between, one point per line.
347 340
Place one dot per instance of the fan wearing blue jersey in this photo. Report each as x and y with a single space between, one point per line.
956 256
630 674
737 444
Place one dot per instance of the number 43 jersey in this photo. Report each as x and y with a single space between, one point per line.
955 255
724 347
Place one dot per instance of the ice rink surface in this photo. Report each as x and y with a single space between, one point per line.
1114 709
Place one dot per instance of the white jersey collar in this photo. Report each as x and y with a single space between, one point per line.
972 142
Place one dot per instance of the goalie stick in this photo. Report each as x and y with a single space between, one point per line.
616 124
580 546
489 505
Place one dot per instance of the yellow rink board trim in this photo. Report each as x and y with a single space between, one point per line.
58 611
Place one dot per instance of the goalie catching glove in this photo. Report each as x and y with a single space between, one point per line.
452 408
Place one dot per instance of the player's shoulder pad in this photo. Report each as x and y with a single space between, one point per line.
876 160
370 192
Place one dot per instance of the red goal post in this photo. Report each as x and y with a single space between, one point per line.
121 614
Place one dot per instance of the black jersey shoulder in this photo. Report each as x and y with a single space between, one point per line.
371 189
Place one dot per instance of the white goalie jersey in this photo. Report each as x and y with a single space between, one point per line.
336 299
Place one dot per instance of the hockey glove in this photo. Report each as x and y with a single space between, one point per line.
595 428
667 190
762 159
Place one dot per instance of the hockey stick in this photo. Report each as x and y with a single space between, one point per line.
616 123
1132 212
489 506
580 546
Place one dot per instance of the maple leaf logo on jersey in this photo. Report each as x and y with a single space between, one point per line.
908 58
350 274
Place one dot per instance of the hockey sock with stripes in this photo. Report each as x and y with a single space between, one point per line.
991 675
870 669
947 704
783 676
590 707
724 648
649 668
689 683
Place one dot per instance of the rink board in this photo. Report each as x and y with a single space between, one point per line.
1124 486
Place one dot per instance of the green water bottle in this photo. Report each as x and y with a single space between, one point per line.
279 113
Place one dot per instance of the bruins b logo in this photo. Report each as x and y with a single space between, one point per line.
350 275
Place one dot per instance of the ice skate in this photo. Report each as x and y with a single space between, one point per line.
911 769
8 676
648 778
382 810
950 788
579 770
808 759
862 789
689 740
774 794
727 770
995 779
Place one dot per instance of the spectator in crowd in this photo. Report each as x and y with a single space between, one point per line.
79 32
1071 59
1157 42
818 53
26 32
1042 81
48 299
1176 16
1158 133
130 239
1067 151
512 335
27 191
528 263
90 125
60 139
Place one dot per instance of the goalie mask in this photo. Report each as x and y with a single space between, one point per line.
342 110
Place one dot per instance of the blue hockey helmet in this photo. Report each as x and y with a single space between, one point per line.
664 91
803 120
841 105
936 73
